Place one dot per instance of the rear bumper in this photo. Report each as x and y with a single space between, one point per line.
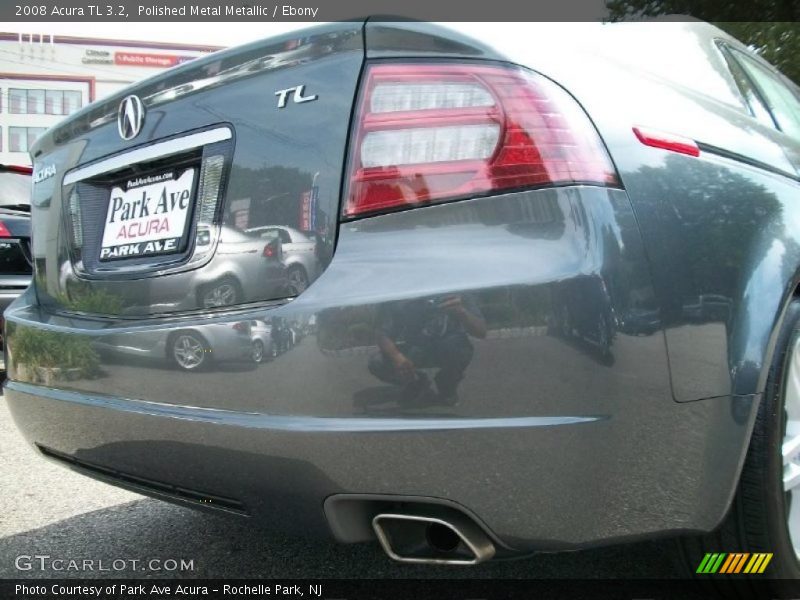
534 483
565 435
12 290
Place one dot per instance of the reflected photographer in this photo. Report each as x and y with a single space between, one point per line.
423 334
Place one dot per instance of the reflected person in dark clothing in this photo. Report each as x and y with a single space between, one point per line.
427 334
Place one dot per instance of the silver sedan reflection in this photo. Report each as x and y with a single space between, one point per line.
190 349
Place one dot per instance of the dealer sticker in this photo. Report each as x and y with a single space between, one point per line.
148 217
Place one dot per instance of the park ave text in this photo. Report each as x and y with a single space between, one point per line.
171 590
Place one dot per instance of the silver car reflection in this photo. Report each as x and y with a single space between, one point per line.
245 268
190 349
263 347
299 253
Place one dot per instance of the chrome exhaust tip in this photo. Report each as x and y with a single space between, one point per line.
441 539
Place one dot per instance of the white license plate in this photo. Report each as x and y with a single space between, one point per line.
148 216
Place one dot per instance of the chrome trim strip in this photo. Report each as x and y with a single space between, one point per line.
153 152
741 158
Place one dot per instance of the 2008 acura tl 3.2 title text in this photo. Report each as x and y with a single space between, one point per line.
191 10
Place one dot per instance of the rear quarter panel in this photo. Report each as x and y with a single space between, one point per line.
711 225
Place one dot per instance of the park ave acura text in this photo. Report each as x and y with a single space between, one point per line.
472 291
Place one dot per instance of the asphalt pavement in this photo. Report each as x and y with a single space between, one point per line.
87 528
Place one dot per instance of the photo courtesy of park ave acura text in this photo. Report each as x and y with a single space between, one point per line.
371 300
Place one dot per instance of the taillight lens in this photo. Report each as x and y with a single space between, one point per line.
242 327
427 133
272 249
4 232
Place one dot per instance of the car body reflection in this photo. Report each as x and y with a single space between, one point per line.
707 307
584 312
300 253
261 337
640 321
248 267
190 349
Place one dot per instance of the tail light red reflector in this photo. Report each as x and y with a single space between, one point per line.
667 141
4 232
428 133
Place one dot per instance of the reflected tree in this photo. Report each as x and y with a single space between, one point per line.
704 220
770 27
274 194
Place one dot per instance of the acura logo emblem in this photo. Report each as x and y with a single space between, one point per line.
130 117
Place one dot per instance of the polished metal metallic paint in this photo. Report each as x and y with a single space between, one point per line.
545 413
601 306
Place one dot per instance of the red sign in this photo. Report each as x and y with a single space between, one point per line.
140 59
305 211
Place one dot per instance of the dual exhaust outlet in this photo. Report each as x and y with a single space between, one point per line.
432 537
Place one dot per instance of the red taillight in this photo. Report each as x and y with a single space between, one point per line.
19 169
269 251
4 232
242 327
667 141
428 133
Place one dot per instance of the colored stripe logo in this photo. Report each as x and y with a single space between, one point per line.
734 562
